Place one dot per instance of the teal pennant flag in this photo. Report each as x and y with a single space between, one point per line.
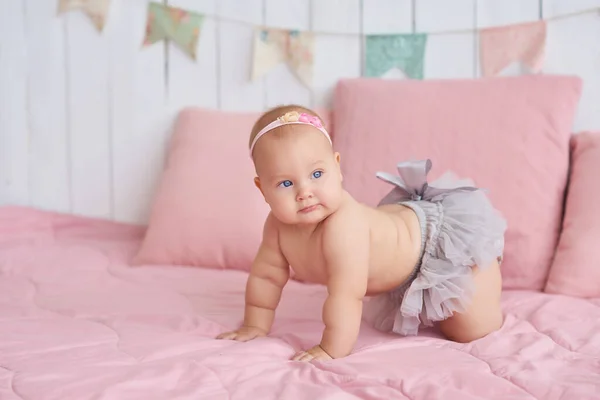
403 51
175 24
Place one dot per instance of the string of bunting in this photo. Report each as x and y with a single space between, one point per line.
499 45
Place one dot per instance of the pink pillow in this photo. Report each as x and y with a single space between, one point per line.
207 211
509 134
576 267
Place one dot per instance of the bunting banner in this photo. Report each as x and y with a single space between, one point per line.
403 51
275 46
501 46
180 26
97 10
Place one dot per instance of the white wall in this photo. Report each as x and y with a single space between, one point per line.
84 117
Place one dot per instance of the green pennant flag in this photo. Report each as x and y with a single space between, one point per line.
403 51
175 24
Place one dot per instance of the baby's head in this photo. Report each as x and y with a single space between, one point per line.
297 170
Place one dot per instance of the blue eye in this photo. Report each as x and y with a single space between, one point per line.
286 183
317 174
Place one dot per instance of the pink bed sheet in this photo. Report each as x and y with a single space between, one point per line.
76 322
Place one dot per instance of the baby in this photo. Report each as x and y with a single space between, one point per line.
426 254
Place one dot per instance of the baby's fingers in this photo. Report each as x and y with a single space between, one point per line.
244 336
227 335
302 356
239 336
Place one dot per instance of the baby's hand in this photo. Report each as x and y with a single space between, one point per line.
243 334
314 353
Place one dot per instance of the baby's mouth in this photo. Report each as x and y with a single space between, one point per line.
308 209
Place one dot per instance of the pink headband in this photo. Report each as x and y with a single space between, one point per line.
292 117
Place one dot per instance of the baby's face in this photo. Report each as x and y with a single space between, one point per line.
298 174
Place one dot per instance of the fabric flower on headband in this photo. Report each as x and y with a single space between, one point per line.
310 119
294 116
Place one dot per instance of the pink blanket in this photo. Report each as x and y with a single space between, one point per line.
76 322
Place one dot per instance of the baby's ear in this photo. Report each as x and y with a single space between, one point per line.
257 184
337 159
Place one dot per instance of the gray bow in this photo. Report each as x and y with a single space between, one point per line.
411 184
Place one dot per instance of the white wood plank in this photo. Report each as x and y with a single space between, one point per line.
492 13
140 121
49 166
433 16
387 16
556 8
506 12
337 16
337 56
448 55
287 14
574 49
88 125
14 132
194 83
281 84
237 90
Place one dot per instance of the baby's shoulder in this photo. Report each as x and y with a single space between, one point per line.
349 218
271 228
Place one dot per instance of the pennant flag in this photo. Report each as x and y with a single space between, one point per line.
403 51
276 46
500 46
175 24
97 10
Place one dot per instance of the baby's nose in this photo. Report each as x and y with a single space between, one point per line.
304 194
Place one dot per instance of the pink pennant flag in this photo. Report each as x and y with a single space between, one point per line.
500 46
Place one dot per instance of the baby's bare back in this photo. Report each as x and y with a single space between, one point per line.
394 245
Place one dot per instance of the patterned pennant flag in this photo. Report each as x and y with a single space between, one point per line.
500 46
275 46
403 51
175 24
97 10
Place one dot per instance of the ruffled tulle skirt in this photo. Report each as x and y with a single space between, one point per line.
459 230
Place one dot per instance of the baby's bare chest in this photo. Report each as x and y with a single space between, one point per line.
305 256
392 254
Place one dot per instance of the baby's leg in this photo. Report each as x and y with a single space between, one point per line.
484 314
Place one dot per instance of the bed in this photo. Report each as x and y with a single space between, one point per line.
94 309
78 322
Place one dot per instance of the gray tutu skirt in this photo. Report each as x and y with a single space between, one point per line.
459 229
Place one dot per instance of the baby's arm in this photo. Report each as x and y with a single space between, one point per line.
346 250
268 275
